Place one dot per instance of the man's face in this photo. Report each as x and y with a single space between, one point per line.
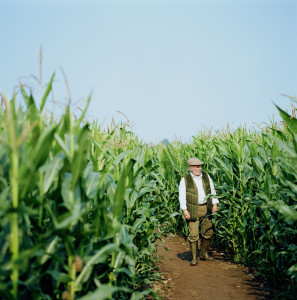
196 170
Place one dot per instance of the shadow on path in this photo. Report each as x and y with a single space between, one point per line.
213 280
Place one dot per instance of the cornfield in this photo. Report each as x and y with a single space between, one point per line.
255 176
81 207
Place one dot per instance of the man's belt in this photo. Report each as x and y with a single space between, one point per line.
202 204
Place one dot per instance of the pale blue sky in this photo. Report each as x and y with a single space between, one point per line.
171 66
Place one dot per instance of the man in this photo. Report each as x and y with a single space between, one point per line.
193 189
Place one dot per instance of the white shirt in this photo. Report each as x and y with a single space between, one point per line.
201 193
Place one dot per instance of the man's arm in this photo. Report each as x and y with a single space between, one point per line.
215 201
182 199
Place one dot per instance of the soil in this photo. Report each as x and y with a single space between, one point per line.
217 279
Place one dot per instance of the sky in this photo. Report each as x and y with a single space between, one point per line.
173 67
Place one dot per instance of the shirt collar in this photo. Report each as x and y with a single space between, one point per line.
196 177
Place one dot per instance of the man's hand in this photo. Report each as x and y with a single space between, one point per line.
214 208
186 214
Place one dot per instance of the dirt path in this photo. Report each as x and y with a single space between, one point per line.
218 279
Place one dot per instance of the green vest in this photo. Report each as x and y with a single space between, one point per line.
192 194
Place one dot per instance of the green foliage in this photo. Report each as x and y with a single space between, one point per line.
255 177
81 208
78 207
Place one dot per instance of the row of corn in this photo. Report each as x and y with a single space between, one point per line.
255 174
81 207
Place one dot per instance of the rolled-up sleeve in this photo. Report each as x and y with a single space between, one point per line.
182 194
213 191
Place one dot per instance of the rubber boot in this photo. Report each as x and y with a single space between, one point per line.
194 261
204 250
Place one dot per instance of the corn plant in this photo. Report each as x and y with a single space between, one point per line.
77 206
81 207
255 177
